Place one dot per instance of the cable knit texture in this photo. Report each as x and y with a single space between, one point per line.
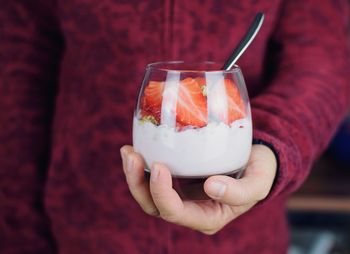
70 71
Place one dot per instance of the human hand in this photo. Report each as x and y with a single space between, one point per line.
230 197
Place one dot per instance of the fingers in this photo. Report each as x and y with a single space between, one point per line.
166 199
124 152
253 187
207 217
235 195
133 166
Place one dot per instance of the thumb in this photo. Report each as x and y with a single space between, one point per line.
253 187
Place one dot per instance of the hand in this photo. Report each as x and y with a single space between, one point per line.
230 197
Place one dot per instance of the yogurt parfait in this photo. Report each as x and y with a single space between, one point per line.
195 119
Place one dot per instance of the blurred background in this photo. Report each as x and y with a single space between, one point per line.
319 213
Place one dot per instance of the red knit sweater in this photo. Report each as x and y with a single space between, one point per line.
70 71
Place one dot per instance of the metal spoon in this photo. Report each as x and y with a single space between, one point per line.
245 42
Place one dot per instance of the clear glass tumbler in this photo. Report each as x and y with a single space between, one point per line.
195 119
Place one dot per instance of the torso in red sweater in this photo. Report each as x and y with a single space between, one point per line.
70 71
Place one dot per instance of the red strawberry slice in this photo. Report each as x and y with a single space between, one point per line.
227 110
200 81
152 100
236 109
191 105
153 94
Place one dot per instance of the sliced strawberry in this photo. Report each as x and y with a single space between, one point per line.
191 105
226 104
151 102
200 81
153 94
236 109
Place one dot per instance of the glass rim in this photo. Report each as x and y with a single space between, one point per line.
156 66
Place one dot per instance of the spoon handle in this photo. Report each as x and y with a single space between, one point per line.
245 42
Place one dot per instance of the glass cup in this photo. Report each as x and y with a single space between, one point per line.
195 119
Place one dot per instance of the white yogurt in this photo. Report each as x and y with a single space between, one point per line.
214 149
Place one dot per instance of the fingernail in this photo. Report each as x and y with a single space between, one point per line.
217 189
154 212
122 153
130 164
155 173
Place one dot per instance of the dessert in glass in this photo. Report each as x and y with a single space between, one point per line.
195 119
